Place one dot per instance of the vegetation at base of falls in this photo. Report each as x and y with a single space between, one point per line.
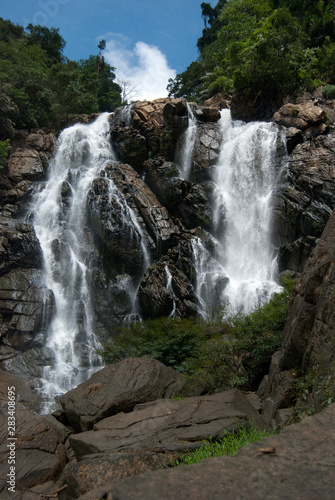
170 340
40 87
214 355
228 444
261 49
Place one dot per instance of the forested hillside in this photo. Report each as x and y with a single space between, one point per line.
40 87
262 50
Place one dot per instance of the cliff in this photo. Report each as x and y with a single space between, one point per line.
170 212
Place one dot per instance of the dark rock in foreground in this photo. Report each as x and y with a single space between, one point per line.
296 464
38 448
167 426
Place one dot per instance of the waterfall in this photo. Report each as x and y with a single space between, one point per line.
169 288
245 177
188 145
135 232
60 224
211 278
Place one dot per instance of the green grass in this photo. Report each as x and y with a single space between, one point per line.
229 444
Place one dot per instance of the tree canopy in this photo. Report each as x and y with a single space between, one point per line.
261 49
40 87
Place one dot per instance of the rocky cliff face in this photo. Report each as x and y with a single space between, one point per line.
147 140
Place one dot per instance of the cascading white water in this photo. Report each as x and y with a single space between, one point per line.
211 278
60 224
188 144
169 288
245 177
129 221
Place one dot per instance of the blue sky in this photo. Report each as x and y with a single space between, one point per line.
148 41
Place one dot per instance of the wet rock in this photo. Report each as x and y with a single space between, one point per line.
19 246
111 222
297 463
191 203
130 146
26 309
112 301
206 151
305 202
165 290
119 388
206 113
167 426
155 216
197 208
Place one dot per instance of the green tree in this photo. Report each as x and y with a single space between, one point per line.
49 40
263 50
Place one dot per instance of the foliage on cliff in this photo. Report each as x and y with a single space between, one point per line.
261 49
216 354
40 87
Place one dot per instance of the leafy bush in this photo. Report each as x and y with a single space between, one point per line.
213 355
229 444
240 355
170 340
328 92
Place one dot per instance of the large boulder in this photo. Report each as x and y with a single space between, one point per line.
37 448
80 477
166 426
24 390
297 463
118 388
308 117
27 164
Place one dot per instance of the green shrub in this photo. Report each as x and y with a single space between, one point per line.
170 340
328 92
240 353
214 355
229 444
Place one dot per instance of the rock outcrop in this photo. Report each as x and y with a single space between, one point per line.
307 197
38 449
307 342
166 426
298 463
118 388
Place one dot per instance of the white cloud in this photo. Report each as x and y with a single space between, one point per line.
144 67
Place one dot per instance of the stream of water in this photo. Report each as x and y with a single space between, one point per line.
242 272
